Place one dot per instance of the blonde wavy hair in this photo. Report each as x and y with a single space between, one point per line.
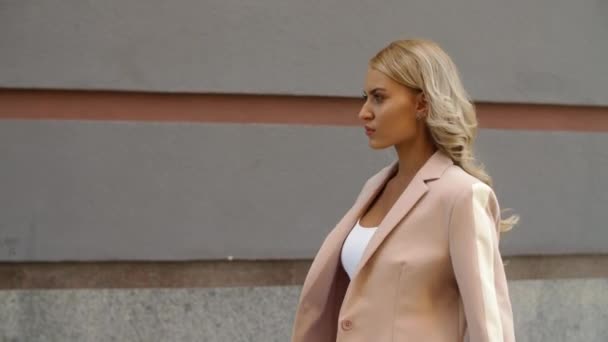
422 65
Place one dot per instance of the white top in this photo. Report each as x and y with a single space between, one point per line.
354 245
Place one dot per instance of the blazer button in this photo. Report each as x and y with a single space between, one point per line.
347 324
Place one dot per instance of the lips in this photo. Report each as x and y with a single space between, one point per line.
369 131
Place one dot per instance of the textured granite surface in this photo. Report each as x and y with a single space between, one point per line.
545 310
560 310
229 314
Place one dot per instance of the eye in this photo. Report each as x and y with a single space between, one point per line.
364 96
377 98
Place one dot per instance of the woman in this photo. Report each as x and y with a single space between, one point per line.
416 258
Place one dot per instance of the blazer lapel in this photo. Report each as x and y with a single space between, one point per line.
331 249
368 193
432 169
316 290
318 293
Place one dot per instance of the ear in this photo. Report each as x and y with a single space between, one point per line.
422 105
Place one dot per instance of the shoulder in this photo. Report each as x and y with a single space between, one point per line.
457 182
376 177
380 173
458 187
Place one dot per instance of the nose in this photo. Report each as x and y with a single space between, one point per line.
365 114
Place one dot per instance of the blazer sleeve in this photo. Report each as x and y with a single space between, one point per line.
477 263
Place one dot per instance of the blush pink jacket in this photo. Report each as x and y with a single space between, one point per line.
432 272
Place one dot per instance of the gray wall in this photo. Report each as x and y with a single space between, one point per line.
541 51
77 190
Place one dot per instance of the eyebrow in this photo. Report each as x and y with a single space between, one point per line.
375 90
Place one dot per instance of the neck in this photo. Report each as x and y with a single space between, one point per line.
412 157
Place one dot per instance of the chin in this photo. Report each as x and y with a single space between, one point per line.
377 145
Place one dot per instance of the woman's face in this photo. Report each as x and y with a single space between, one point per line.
389 111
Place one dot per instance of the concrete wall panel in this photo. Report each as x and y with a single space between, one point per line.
543 51
77 190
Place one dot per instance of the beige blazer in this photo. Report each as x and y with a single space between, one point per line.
432 272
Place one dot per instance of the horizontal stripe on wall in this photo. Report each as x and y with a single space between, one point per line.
63 275
296 110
